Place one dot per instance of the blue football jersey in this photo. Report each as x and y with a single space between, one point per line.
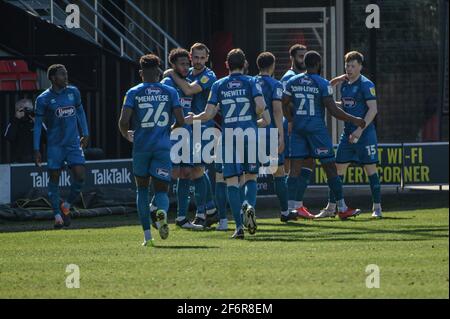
287 76
59 112
185 100
272 91
307 91
205 79
354 97
153 105
236 94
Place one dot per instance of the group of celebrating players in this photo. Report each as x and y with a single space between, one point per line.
294 106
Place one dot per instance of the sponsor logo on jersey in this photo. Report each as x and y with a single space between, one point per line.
372 91
279 92
348 102
65 111
204 79
258 86
306 81
186 102
234 84
162 172
152 91
322 150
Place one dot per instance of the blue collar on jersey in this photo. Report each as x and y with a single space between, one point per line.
357 81
57 92
236 74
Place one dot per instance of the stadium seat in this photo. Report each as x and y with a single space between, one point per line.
4 67
8 82
15 75
18 66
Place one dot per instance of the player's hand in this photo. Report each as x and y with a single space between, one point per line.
354 137
290 125
20 114
167 73
189 119
280 144
342 78
130 136
84 141
37 158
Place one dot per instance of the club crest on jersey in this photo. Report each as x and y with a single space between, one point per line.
65 111
152 91
348 102
372 91
204 79
52 101
70 96
162 172
355 89
234 84
322 151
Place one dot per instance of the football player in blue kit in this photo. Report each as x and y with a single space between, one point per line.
182 172
305 98
152 106
201 79
357 145
61 109
240 99
299 170
273 93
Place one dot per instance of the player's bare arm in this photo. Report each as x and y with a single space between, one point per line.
287 108
265 120
187 88
370 116
124 123
338 113
339 79
208 114
260 105
277 108
179 117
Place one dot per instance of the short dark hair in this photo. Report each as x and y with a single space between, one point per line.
296 47
265 60
354 56
236 59
312 59
177 53
199 46
52 69
149 61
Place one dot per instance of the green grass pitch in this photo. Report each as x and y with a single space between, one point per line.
304 259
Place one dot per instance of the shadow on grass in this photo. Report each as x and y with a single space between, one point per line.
186 247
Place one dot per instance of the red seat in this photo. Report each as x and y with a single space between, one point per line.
4 67
8 82
18 66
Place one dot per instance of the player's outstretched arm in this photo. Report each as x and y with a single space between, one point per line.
336 112
339 79
124 122
187 88
208 114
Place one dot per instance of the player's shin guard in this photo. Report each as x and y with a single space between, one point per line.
183 186
375 187
162 201
234 196
331 197
75 190
143 207
221 199
53 195
251 189
200 194
282 192
303 182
